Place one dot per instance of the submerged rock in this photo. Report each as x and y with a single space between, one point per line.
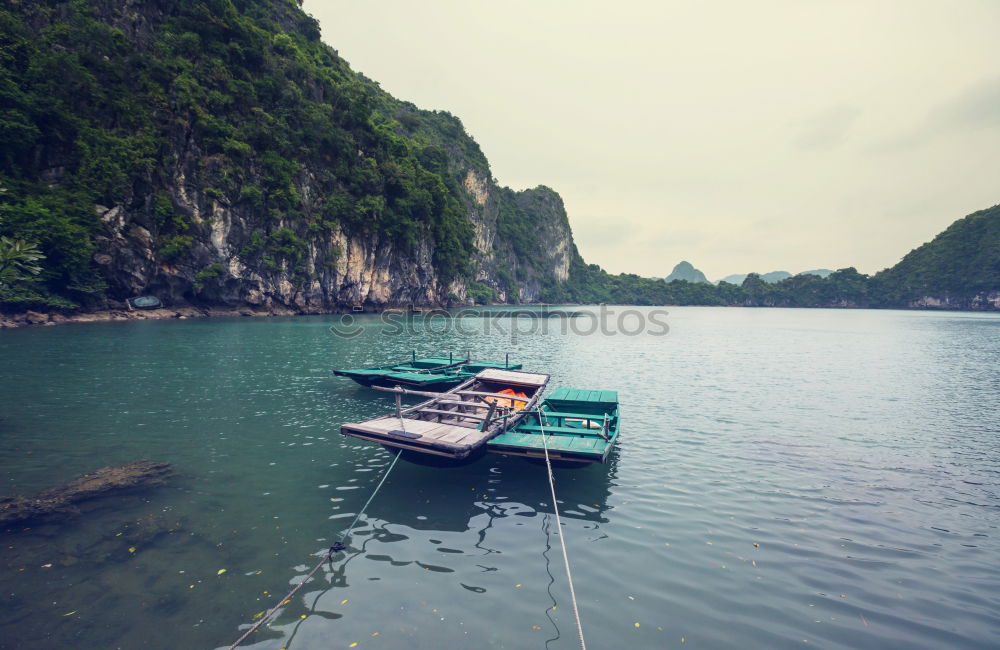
60 499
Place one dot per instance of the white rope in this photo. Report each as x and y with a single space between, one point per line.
327 558
562 541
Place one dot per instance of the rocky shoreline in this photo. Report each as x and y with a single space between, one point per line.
34 318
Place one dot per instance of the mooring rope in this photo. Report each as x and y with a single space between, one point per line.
562 541
338 546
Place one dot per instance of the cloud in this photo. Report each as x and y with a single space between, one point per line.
826 130
978 107
975 108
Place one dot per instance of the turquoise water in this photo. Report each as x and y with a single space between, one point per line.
785 478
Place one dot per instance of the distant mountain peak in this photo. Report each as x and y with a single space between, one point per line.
686 271
774 276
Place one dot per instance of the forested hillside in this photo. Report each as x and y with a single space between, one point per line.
959 269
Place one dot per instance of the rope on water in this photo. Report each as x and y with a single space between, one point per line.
338 546
562 540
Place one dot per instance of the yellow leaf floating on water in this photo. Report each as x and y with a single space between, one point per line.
259 614
221 571
131 549
70 613
636 624
343 602
302 616
353 645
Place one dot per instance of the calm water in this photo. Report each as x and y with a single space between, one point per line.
785 478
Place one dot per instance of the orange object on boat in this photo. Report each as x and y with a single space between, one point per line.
515 403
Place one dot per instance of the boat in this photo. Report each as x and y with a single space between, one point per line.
145 302
579 425
429 374
458 423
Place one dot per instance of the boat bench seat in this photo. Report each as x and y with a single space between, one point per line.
455 414
574 416
574 431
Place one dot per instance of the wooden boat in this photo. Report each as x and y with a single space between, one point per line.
456 424
580 426
430 374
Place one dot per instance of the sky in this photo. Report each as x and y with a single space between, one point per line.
739 136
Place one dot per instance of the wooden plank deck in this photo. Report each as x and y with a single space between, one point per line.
428 431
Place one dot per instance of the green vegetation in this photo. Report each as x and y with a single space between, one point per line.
480 293
206 274
90 114
518 227
958 265
18 259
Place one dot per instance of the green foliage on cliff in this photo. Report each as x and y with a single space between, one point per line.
518 227
961 262
94 113
18 259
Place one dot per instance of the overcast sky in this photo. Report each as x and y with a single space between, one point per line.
740 136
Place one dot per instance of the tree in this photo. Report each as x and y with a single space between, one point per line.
18 257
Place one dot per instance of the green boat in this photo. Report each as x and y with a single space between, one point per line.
433 374
579 425
146 302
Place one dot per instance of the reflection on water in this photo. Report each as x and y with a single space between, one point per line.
784 476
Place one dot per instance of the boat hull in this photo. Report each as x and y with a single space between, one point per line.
421 374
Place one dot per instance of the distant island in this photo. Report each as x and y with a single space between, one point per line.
239 165
685 271
773 276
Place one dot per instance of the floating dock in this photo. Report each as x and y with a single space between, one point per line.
458 423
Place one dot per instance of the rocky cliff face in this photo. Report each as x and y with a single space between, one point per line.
266 173
344 270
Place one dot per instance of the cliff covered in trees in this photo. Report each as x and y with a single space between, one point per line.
216 152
